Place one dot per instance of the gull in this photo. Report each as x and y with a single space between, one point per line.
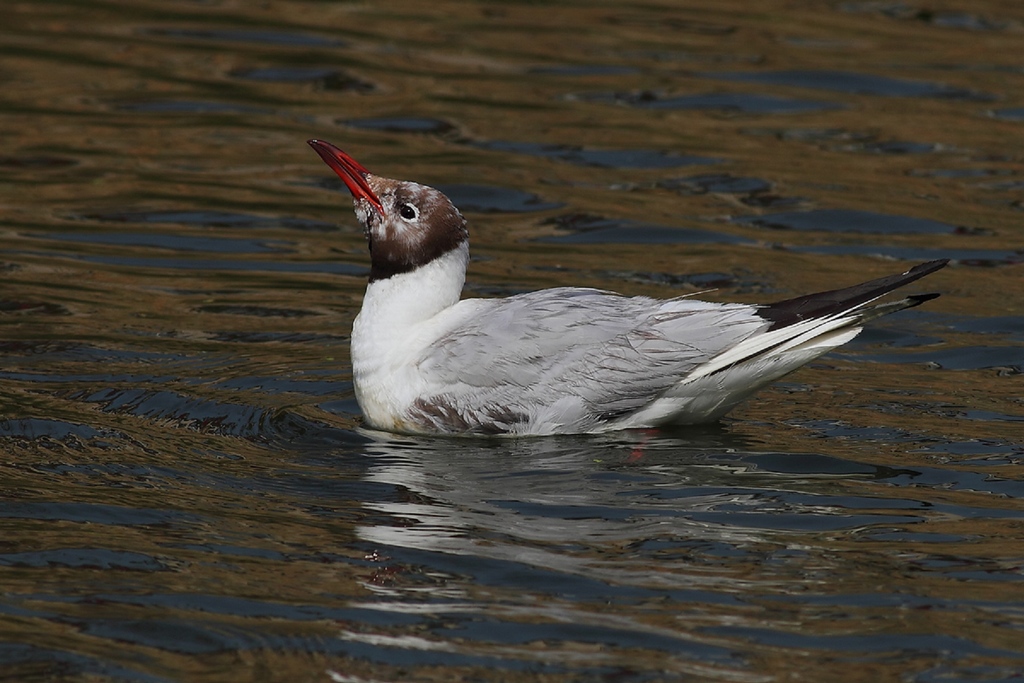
566 360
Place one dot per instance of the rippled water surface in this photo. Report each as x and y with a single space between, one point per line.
187 493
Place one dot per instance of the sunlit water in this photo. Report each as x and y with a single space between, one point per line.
187 493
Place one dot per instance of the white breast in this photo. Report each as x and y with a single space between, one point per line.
400 318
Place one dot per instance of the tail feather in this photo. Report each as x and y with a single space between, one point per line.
814 319
878 311
801 330
824 304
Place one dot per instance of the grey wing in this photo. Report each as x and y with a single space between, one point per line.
577 356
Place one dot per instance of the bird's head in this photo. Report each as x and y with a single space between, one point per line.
407 225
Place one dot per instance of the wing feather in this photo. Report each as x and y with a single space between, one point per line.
578 356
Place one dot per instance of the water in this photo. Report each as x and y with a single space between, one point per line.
187 493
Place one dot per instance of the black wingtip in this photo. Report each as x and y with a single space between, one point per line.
926 268
783 313
918 299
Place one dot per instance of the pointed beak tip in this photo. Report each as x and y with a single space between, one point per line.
349 170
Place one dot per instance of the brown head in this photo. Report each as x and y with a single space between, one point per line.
407 225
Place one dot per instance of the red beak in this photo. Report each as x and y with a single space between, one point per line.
349 170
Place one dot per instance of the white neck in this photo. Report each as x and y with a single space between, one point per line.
394 307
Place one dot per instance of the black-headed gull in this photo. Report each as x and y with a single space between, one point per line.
567 360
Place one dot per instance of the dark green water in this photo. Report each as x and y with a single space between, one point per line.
186 494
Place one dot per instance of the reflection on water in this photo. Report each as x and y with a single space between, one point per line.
187 492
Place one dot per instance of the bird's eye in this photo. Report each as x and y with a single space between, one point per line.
408 212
